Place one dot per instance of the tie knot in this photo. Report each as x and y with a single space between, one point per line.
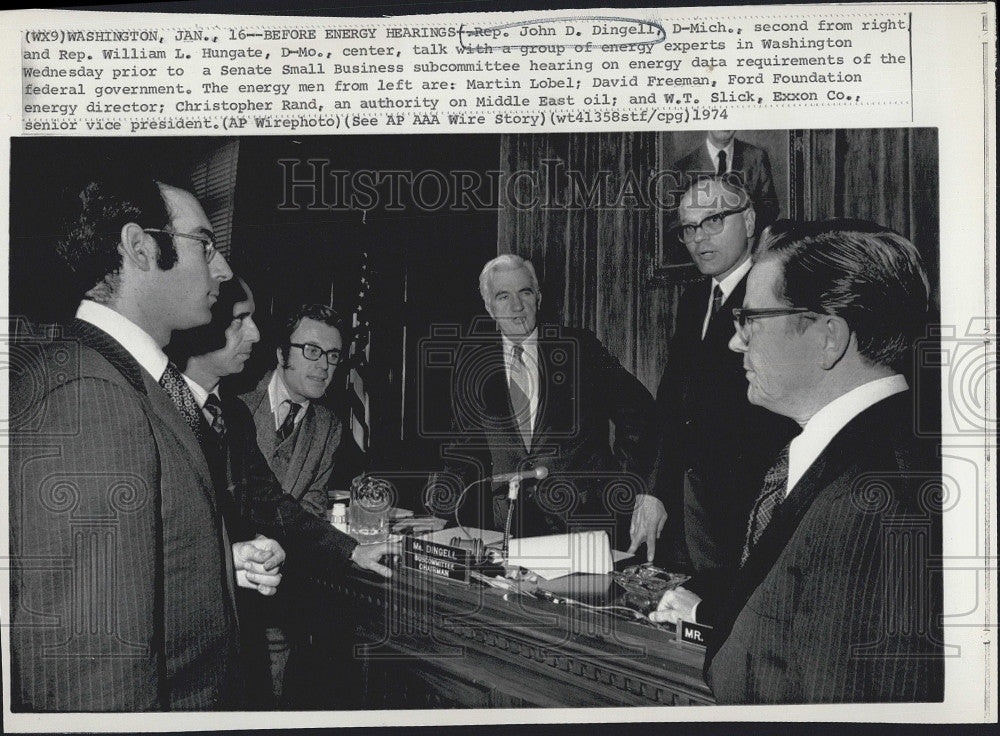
717 298
213 403
517 353
722 163
293 410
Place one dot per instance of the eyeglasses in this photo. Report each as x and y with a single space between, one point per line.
314 352
207 242
743 317
712 225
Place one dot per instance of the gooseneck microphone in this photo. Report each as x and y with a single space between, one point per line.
537 473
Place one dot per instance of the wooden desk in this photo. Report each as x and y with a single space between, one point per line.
437 643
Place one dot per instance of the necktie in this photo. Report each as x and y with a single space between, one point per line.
289 424
173 383
771 495
717 299
722 164
519 400
214 407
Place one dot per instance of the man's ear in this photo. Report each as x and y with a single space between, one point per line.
137 247
836 338
750 220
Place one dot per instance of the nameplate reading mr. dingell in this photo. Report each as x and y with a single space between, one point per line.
437 559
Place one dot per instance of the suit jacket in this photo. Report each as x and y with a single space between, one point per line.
121 584
714 445
254 502
837 601
316 441
583 389
750 165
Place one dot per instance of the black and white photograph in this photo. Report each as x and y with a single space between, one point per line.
371 423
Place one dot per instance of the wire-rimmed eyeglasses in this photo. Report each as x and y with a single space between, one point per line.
206 241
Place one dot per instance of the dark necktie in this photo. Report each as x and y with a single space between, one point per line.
518 395
771 496
173 383
717 299
214 407
722 164
288 425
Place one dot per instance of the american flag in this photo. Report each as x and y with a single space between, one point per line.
357 361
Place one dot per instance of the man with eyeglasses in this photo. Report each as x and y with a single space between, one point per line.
252 498
836 599
298 436
713 445
123 576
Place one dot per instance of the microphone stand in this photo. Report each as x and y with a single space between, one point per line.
513 487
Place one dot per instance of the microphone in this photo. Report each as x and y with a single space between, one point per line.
537 473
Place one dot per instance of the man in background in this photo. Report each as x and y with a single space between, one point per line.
714 446
122 580
533 395
835 599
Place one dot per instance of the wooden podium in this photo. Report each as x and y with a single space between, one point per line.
422 641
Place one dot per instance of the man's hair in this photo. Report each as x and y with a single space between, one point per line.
734 193
506 262
204 339
90 247
319 312
869 275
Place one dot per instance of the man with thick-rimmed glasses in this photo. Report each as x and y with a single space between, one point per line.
297 434
836 599
714 446
123 576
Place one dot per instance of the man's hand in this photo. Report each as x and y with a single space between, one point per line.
314 502
648 518
368 556
675 604
258 564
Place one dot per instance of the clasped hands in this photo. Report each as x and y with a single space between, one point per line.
258 564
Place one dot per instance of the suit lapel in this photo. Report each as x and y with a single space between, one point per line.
555 399
303 437
737 164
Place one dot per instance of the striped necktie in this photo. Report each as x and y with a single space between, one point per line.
214 407
288 426
771 495
519 400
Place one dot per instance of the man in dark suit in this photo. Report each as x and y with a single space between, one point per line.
536 395
251 497
726 156
714 446
122 580
835 600
299 436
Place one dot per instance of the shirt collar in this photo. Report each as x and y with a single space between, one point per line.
139 343
530 345
713 153
277 393
824 425
730 282
200 394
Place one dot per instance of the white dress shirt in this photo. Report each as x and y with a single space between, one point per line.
713 153
139 343
277 394
828 421
529 371
727 285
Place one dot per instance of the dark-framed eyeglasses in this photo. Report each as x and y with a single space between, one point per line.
206 241
712 225
311 351
743 317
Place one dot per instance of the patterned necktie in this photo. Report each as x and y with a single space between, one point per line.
722 164
716 299
771 496
288 425
177 389
214 407
519 400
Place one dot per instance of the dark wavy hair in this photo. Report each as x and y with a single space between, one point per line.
90 247
319 312
869 275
